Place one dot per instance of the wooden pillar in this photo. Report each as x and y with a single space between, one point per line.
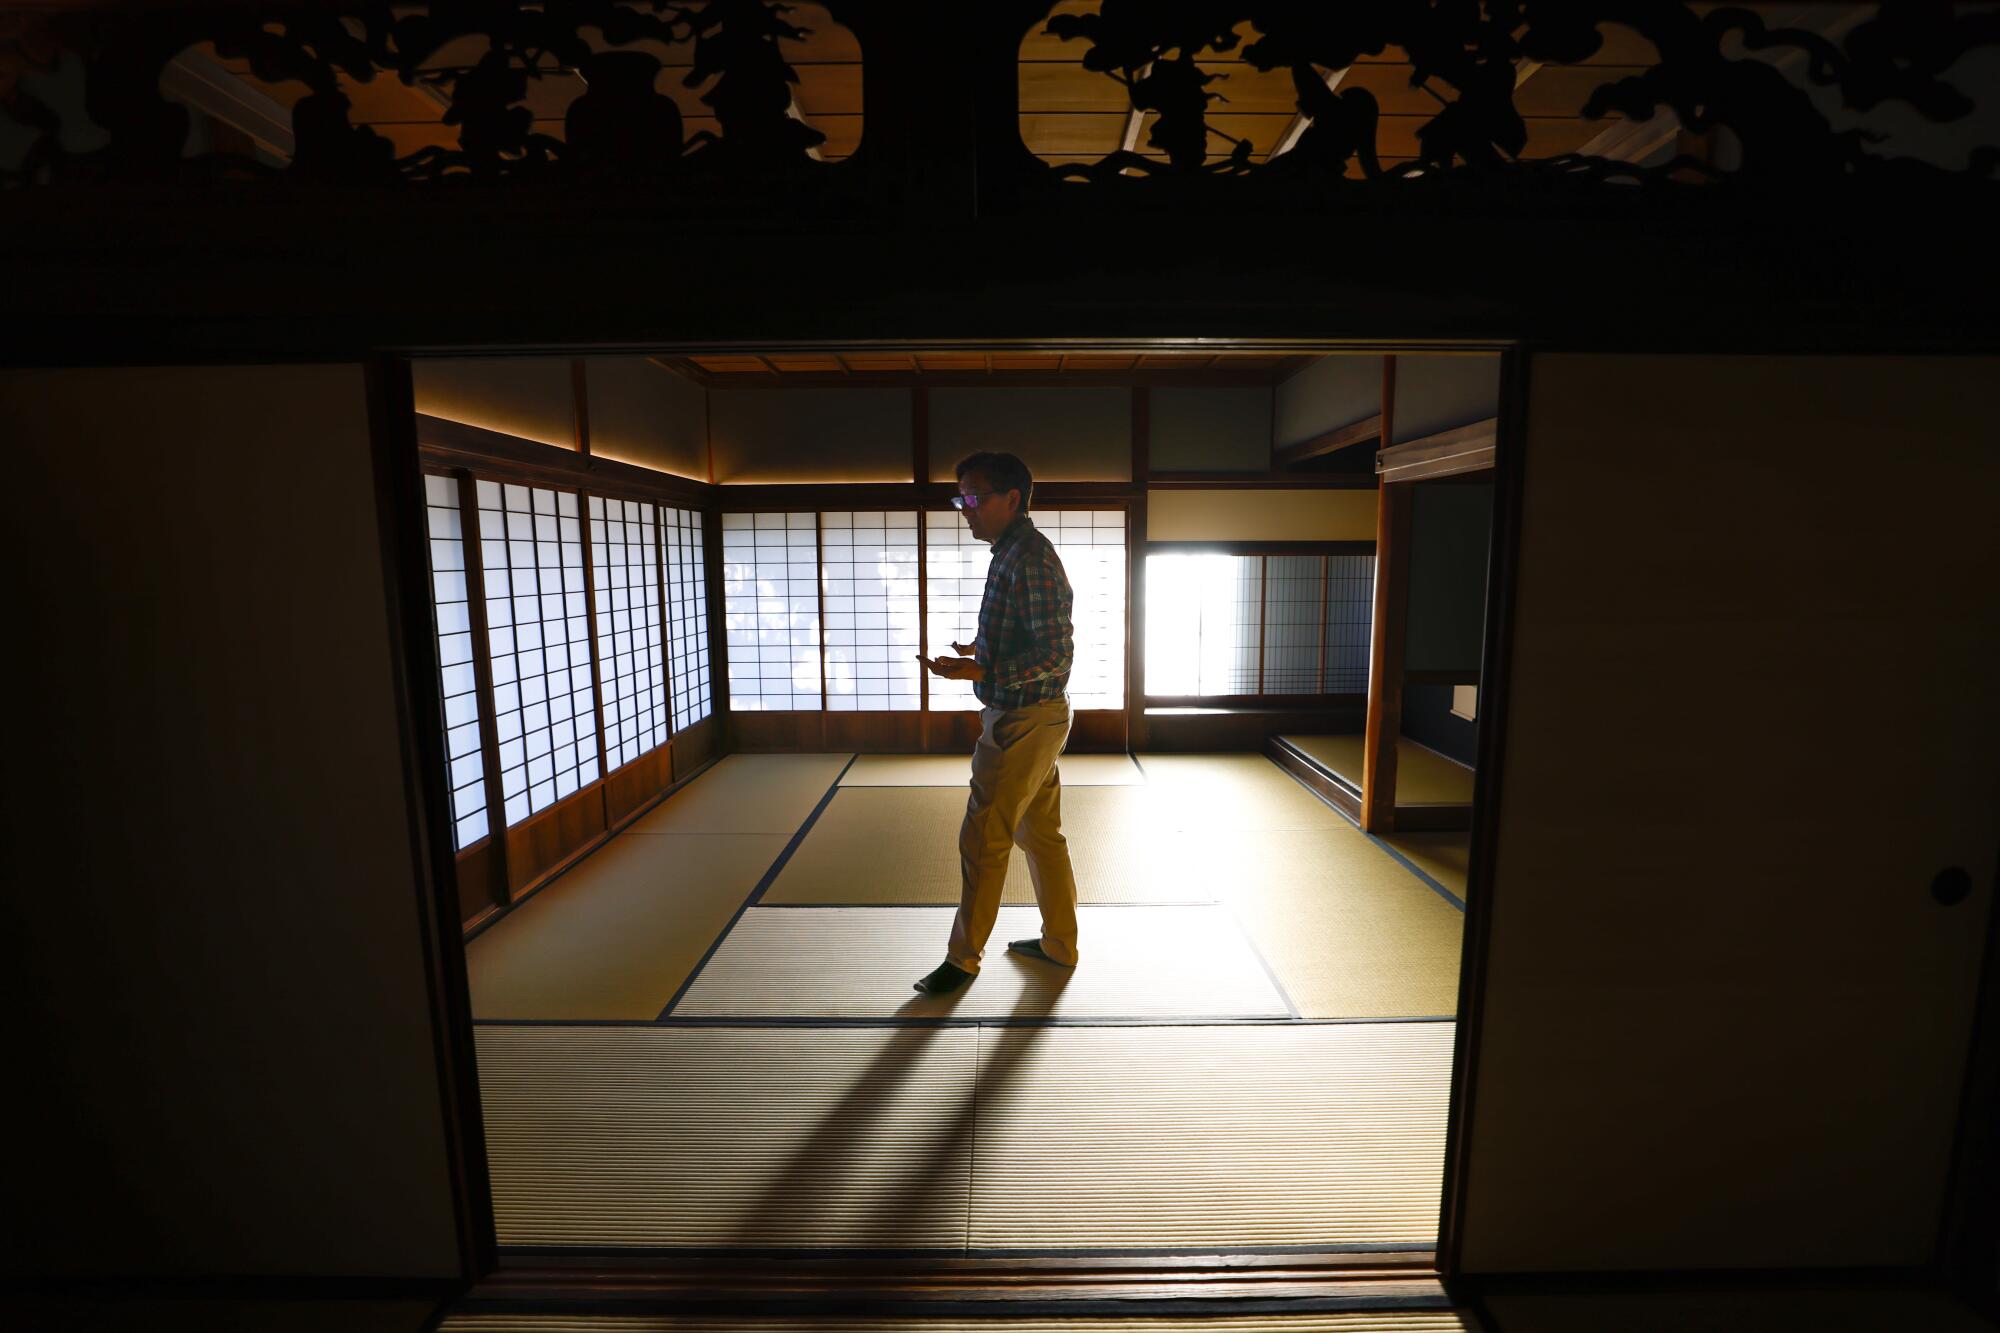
920 473
580 397
1385 652
482 677
590 632
1136 733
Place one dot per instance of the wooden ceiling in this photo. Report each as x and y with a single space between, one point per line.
742 369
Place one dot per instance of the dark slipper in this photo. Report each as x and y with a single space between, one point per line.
1032 949
942 980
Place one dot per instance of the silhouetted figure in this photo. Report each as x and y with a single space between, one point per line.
1019 664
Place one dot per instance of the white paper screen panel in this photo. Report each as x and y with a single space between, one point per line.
538 627
955 570
456 678
1091 544
625 577
687 616
770 603
1202 615
868 572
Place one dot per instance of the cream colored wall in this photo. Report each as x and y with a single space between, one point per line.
220 1036
811 434
1321 515
1061 434
1750 717
644 414
533 397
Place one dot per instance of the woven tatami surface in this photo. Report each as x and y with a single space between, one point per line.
748 793
1201 793
1442 856
858 962
1423 777
899 845
1356 1321
955 770
617 935
1348 932
949 1137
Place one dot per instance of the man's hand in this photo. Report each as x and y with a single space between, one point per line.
964 650
954 668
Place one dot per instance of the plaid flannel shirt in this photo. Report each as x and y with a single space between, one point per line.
1026 641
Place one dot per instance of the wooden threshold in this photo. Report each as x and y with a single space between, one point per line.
858 1281
1333 790
1341 794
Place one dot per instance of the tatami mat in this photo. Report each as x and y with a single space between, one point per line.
747 793
1348 932
1344 1321
617 935
1423 776
955 770
1325 1134
1168 1137
899 845
1442 856
698 1137
1204 792
858 962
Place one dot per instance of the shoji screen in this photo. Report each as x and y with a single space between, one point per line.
687 616
1207 614
868 572
1350 614
770 603
531 544
955 569
625 574
449 595
1091 543
1202 623
1294 604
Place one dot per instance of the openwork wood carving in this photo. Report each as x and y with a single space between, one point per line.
1725 72
620 125
90 96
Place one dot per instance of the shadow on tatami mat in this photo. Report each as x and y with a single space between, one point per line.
617 935
858 962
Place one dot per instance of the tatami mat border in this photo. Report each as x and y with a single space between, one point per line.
762 884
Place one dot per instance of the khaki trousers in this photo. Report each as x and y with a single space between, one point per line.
1016 801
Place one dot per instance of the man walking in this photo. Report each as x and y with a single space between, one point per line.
1019 664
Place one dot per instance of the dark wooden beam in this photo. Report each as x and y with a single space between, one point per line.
1361 432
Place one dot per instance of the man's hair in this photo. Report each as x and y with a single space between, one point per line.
1003 472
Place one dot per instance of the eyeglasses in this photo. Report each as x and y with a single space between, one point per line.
964 502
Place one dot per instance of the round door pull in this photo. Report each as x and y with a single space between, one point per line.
1952 886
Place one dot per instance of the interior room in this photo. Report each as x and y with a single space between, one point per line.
706 799
1504 494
